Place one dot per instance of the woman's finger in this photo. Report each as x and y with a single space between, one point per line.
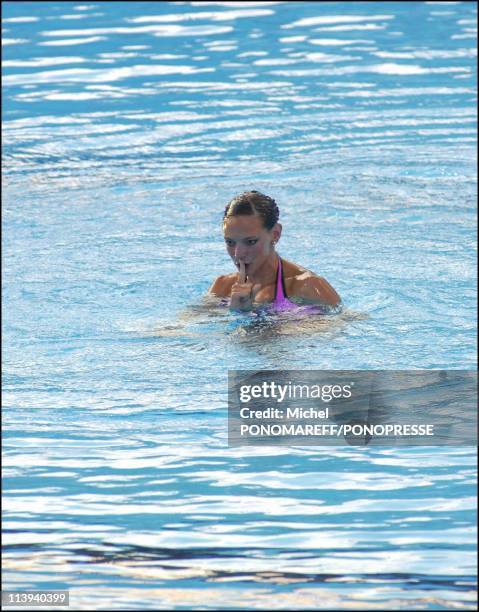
242 272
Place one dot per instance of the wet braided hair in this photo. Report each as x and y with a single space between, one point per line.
254 203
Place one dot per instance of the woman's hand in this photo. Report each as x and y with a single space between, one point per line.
242 292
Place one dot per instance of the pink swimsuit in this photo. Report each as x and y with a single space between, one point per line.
281 301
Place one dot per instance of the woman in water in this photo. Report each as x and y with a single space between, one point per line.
251 232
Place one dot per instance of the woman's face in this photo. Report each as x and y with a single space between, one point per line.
247 240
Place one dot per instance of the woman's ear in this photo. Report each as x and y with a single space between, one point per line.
276 231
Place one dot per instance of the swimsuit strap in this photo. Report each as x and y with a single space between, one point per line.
281 301
280 289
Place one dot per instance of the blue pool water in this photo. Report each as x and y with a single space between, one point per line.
127 126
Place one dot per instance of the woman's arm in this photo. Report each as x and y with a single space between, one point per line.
222 286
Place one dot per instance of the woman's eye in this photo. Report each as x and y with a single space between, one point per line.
229 242
251 242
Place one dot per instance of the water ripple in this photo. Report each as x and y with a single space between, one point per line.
125 132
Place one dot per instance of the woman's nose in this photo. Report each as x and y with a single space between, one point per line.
239 251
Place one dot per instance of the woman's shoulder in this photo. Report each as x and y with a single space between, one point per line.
308 285
294 273
221 287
